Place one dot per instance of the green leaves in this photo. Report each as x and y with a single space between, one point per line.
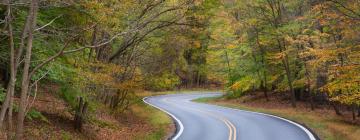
165 81
244 84
2 94
33 114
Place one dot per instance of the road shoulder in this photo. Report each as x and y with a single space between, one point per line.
327 127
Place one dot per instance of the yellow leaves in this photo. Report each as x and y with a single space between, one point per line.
277 56
108 75
300 82
109 14
245 83
164 81
253 21
230 46
344 85
197 44
200 17
349 99
235 86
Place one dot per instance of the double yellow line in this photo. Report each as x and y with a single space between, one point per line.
232 128
232 136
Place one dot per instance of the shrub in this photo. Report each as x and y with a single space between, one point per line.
166 81
69 95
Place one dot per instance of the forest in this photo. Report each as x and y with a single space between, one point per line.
95 57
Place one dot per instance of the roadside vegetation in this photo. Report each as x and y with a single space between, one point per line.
78 68
74 69
303 54
327 127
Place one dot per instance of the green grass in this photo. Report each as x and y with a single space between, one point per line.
206 99
327 127
159 121
65 135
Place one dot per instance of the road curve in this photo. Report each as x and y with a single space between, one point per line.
197 121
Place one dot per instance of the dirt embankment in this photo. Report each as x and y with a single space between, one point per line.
56 121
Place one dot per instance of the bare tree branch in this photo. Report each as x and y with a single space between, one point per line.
339 4
49 23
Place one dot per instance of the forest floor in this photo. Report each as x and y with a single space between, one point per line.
323 121
52 119
55 121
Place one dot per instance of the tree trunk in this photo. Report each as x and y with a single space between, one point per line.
198 79
228 66
25 77
288 75
7 105
123 98
276 12
308 78
264 75
263 64
336 109
13 65
312 104
93 43
353 110
293 99
80 114
10 115
12 71
285 61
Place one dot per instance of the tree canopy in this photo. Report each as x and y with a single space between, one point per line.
107 50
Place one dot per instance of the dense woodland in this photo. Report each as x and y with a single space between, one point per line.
105 51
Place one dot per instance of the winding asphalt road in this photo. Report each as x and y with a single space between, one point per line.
198 121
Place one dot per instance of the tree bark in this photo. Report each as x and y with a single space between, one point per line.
12 72
198 79
308 84
285 61
312 103
336 108
228 66
265 78
353 110
275 21
7 105
264 66
93 43
80 114
25 77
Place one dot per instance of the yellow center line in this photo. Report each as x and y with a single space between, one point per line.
231 127
234 128
228 125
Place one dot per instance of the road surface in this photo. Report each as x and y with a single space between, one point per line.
198 121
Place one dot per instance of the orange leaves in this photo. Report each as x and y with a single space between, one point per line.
279 56
230 46
110 76
236 86
344 85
